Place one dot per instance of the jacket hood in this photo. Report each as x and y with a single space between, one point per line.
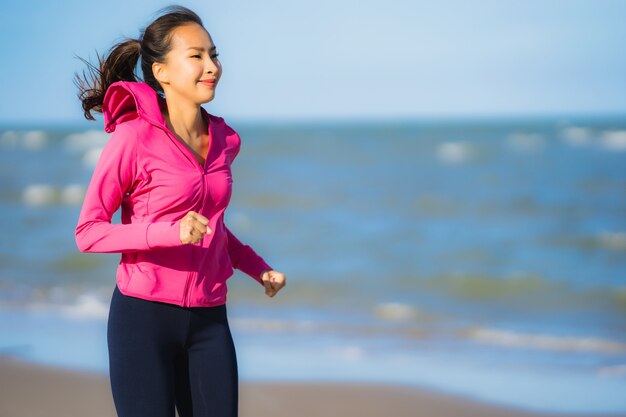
127 100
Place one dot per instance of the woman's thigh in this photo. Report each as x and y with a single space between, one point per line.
207 376
144 338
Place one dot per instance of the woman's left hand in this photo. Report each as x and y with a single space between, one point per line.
273 281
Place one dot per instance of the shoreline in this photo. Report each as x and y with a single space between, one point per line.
30 389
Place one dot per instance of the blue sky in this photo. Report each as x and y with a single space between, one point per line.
286 59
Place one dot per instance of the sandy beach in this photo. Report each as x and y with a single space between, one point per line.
39 391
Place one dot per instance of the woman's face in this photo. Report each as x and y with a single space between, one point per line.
191 60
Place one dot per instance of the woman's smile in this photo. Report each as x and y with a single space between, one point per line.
209 82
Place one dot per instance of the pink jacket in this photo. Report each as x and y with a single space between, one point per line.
156 179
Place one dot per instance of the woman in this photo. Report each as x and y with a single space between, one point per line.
167 164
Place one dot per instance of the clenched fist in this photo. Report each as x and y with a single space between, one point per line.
193 227
273 281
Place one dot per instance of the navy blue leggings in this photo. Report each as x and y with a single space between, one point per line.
164 357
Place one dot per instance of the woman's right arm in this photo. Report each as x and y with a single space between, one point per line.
113 176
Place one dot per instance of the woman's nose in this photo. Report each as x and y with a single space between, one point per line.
211 66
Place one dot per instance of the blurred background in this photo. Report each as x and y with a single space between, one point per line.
443 184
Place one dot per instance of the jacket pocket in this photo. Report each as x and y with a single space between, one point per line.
161 274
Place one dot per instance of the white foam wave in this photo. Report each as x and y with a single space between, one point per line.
395 311
38 194
349 352
73 194
83 141
612 240
34 140
9 139
544 342
319 327
273 324
576 136
454 152
614 140
526 142
90 158
43 194
86 307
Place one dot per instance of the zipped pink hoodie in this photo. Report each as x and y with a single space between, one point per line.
156 179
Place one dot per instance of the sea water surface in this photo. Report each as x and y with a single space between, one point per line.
481 257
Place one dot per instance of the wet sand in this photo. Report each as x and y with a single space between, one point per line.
30 390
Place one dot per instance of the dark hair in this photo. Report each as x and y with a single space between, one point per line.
120 62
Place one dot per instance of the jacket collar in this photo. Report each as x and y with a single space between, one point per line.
127 100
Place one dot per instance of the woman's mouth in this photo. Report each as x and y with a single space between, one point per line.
208 83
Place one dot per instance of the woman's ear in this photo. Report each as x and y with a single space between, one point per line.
160 72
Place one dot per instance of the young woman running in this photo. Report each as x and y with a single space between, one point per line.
168 165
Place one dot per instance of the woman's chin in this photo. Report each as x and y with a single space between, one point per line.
205 98
207 94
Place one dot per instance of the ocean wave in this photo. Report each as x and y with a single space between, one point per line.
612 371
454 152
8 139
348 352
614 140
91 156
522 292
483 286
525 142
87 306
576 136
78 261
396 311
46 194
83 141
614 240
32 140
543 341
431 204
72 194
77 302
275 325
38 194
609 140
411 327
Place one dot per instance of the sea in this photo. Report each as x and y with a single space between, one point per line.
482 257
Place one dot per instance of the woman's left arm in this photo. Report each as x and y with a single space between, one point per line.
244 258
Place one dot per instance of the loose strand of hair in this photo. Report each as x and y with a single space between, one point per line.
119 64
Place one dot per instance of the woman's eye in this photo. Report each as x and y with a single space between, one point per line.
214 56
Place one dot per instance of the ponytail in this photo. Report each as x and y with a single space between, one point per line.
118 65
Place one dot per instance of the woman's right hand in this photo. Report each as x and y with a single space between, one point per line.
193 227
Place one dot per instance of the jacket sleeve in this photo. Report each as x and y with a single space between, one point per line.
113 176
245 259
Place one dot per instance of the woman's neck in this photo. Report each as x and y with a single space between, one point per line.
185 119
